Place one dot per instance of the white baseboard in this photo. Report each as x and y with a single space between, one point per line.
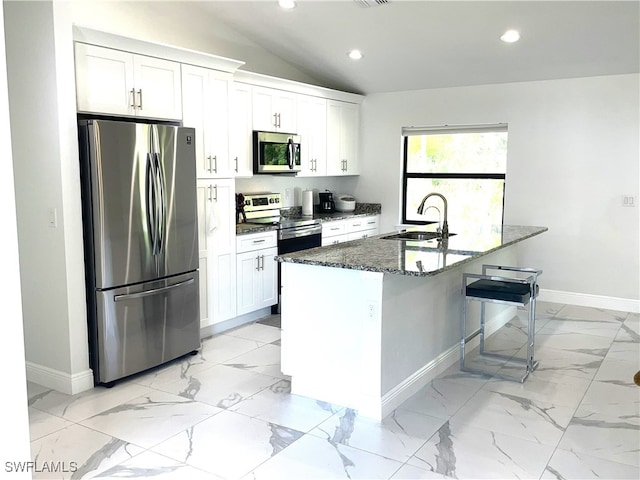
588 300
414 382
59 381
235 322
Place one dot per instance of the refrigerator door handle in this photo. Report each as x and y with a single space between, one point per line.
147 293
161 205
150 187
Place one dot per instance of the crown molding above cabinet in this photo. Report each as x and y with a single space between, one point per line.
158 50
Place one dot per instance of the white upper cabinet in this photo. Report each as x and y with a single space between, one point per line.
274 110
342 138
205 107
240 130
120 83
312 128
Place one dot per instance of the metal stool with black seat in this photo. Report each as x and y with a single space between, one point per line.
507 290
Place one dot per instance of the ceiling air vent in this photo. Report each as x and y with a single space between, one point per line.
371 3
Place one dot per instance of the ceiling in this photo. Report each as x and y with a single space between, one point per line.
411 45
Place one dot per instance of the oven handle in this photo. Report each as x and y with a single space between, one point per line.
297 232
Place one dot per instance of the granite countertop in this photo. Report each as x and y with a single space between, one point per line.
246 228
415 258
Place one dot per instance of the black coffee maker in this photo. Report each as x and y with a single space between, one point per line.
327 204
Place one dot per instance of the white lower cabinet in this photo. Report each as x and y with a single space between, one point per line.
334 232
257 272
217 243
352 229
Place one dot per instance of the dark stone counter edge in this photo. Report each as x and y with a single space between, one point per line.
369 268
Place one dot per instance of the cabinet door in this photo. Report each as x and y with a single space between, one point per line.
216 228
269 278
335 164
285 107
157 87
248 271
264 115
217 101
349 138
223 233
274 110
257 280
104 80
240 141
342 138
195 113
202 201
311 115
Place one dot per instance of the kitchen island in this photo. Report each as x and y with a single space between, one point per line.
367 323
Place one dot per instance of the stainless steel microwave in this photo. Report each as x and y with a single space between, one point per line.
275 152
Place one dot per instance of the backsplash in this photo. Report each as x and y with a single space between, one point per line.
361 208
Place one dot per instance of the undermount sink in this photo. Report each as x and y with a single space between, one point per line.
415 236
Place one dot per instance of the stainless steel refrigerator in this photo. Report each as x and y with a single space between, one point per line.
141 244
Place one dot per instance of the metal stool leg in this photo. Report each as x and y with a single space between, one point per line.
482 326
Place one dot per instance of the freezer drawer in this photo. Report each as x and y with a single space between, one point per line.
141 326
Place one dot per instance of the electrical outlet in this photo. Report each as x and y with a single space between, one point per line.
371 310
629 201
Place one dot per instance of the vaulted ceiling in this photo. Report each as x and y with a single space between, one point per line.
410 45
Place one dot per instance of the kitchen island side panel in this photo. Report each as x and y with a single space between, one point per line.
421 321
331 327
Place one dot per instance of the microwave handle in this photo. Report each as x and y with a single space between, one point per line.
290 153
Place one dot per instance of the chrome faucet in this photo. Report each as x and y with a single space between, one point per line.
422 209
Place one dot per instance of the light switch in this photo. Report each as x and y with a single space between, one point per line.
629 201
52 214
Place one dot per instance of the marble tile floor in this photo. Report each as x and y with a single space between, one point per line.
227 413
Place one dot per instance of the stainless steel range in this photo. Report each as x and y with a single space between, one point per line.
294 232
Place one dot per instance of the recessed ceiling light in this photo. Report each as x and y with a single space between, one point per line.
287 4
510 36
355 54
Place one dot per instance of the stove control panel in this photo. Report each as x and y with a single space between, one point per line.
261 201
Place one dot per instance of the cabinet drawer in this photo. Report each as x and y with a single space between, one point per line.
371 223
255 241
362 234
359 224
331 229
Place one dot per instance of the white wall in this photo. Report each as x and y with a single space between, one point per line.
42 110
14 442
573 153
278 184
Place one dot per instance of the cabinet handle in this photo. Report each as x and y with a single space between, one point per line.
262 262
215 163
140 98
372 222
262 240
258 263
215 196
279 118
236 160
210 197
275 120
133 98
209 166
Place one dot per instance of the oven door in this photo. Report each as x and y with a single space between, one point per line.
299 238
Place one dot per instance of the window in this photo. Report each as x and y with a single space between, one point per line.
465 164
